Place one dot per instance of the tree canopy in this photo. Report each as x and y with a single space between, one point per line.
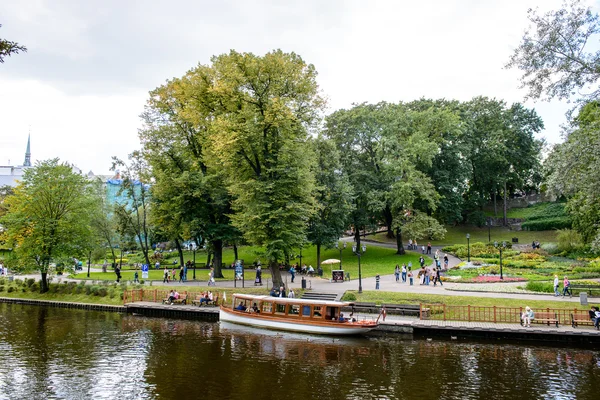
49 217
8 48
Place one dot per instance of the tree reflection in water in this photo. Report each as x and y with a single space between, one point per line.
77 354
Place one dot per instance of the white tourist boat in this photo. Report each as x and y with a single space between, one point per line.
296 315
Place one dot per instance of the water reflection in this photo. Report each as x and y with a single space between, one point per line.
71 354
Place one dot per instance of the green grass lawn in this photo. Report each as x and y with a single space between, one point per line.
458 234
376 260
381 297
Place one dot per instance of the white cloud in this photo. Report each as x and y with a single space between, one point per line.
90 65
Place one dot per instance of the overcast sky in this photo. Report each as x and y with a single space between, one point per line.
84 81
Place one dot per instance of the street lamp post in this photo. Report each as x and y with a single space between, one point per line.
340 248
300 258
358 253
89 264
500 247
489 225
194 262
468 248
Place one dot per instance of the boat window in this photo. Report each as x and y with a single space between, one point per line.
317 312
332 313
294 309
280 308
306 311
267 308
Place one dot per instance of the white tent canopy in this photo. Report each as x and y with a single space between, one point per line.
331 261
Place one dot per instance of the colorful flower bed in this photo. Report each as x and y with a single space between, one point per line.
495 278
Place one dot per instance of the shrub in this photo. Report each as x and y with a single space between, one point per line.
569 240
544 287
35 287
349 297
1 288
102 292
553 210
88 289
30 282
10 289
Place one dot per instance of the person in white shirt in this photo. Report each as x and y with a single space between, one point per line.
556 292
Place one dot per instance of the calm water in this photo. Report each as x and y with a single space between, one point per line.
56 353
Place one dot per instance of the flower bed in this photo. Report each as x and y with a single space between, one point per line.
495 278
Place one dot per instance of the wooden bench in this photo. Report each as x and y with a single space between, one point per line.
181 300
366 307
544 318
581 319
587 287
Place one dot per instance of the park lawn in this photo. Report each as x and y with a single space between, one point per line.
381 297
376 260
458 234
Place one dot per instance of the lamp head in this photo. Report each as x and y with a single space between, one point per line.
354 249
337 245
364 248
345 243
496 244
468 236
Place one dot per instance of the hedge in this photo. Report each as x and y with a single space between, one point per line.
547 224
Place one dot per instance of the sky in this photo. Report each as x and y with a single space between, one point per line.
80 88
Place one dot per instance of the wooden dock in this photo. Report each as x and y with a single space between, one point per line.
151 309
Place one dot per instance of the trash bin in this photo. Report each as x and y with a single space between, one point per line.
303 283
515 240
583 298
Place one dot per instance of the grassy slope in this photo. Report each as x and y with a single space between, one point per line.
458 234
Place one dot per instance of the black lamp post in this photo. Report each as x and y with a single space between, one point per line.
89 264
358 253
300 265
502 247
489 225
340 248
194 262
468 248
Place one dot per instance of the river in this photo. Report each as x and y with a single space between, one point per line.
51 353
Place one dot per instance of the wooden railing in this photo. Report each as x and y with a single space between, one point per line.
488 314
156 295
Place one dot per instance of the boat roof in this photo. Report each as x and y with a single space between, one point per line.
285 300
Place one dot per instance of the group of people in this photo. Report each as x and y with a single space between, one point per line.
282 293
253 309
566 287
206 297
173 295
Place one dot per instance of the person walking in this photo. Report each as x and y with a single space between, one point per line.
410 276
437 279
293 273
404 273
567 287
118 272
211 277
556 284
397 272
422 261
428 247
446 260
136 277
166 275
377 278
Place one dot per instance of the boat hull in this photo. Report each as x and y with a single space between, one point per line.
345 328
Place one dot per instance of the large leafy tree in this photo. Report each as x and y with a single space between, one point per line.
572 171
261 111
559 54
192 201
49 217
8 48
333 196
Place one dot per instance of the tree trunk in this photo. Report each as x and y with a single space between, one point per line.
495 207
505 205
387 215
319 256
357 238
180 251
44 283
235 252
217 246
399 244
275 274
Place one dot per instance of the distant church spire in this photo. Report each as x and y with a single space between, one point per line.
27 162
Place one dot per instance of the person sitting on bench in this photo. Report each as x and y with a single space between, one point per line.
206 298
595 315
527 317
171 296
255 308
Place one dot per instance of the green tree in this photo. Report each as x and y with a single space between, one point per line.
262 111
333 197
555 56
7 48
191 198
49 217
572 171
134 213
